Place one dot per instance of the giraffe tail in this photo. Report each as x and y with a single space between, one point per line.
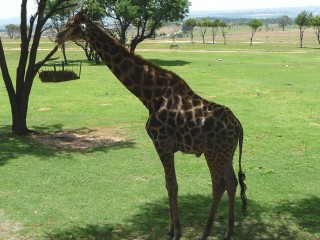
241 175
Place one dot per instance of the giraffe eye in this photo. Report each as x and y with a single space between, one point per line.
83 27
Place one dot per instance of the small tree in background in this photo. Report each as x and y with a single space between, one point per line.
190 23
12 30
214 28
203 24
175 29
254 24
303 21
284 21
224 27
315 22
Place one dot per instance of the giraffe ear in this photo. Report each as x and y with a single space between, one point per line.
83 27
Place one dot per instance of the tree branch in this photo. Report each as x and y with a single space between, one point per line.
32 19
24 51
5 72
38 65
55 8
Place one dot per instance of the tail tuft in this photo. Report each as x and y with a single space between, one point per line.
241 175
243 196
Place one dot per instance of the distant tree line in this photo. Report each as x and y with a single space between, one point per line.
303 20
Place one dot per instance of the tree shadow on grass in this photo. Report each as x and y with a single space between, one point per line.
306 213
54 141
168 63
152 220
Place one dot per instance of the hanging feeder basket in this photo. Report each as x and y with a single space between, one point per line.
60 71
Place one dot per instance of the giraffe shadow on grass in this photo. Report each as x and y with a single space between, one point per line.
151 221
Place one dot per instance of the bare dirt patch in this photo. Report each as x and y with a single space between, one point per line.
9 230
83 139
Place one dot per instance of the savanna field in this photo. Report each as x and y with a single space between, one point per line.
93 173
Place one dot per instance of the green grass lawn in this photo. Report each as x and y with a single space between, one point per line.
115 190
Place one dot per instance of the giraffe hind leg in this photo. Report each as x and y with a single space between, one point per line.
218 188
232 183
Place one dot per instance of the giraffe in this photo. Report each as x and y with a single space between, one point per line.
179 120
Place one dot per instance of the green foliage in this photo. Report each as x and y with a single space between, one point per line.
96 11
223 24
190 23
255 23
315 21
303 19
215 23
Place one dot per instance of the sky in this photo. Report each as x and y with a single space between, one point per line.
11 8
198 5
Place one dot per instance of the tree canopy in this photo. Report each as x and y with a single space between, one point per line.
145 15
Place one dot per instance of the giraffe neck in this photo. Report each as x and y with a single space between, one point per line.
148 82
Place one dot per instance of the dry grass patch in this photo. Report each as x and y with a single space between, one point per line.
9 230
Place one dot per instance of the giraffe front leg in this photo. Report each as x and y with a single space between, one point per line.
172 188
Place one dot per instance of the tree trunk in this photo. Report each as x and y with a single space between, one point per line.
19 119
134 44
123 37
318 34
301 37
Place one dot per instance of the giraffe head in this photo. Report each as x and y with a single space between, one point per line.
74 28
